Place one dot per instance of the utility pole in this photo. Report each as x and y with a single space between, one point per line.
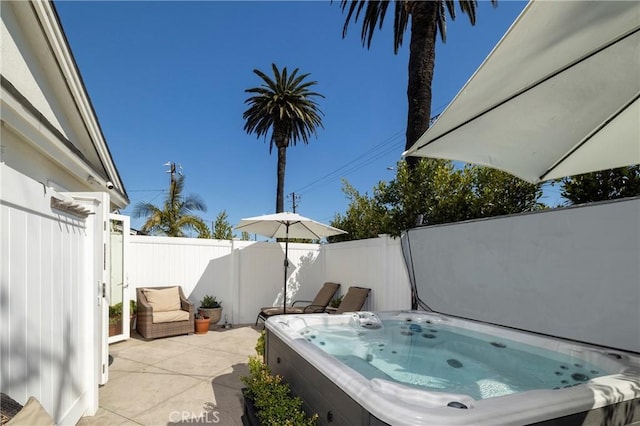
295 199
172 170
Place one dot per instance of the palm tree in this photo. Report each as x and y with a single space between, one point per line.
427 18
175 218
285 107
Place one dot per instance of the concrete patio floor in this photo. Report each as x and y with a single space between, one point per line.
192 379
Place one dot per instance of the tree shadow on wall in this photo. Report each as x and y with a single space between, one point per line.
259 270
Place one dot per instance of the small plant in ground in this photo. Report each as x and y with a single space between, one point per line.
209 302
272 398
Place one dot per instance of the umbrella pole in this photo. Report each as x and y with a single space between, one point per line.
286 266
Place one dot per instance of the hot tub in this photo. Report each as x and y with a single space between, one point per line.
417 368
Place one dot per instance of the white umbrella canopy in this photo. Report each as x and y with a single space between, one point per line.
286 225
558 96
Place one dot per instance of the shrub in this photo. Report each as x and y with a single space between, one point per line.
272 398
115 310
260 345
209 302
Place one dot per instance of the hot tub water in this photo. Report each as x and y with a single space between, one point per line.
436 356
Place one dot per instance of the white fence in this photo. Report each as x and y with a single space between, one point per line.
247 275
569 272
48 309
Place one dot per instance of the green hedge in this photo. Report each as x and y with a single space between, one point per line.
272 398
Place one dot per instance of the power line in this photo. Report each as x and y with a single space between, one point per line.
376 152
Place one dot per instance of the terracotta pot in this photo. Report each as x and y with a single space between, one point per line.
214 314
202 325
115 328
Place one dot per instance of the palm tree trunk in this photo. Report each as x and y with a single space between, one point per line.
422 54
282 163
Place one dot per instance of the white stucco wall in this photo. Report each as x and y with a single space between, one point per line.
571 272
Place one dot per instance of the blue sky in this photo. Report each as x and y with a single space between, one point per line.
167 81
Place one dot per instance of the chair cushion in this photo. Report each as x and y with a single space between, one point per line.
170 316
276 310
31 414
163 300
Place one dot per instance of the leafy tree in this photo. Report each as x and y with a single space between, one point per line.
602 185
285 107
427 19
244 236
175 218
498 193
366 217
222 229
434 192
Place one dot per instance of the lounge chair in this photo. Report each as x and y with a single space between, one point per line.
353 301
318 304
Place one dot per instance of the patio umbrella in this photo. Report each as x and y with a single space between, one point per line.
287 225
558 96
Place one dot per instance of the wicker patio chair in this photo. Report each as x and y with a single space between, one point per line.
8 408
31 414
150 329
318 304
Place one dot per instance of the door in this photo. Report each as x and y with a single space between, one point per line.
118 286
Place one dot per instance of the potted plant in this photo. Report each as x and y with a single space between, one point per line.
115 319
336 301
202 323
210 307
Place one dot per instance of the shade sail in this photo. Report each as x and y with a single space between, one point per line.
558 96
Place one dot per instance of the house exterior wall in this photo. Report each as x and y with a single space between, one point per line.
248 275
24 66
45 104
28 160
